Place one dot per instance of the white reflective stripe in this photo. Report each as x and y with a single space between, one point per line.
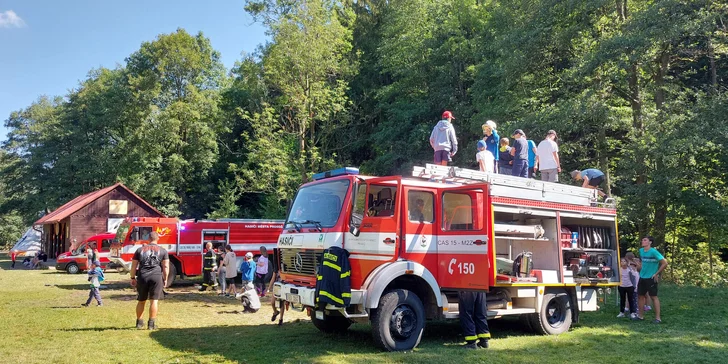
249 247
305 240
369 257
461 244
419 243
190 248
371 243
129 249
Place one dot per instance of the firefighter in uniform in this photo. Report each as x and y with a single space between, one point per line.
472 319
209 265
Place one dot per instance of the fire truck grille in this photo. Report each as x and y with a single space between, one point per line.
300 261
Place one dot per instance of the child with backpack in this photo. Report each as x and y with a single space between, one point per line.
95 276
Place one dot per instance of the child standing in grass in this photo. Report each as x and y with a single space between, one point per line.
626 288
95 276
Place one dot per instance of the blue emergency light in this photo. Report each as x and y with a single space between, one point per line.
336 172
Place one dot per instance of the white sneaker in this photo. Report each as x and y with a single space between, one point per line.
621 314
633 316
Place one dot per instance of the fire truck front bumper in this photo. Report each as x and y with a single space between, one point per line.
120 264
307 296
297 295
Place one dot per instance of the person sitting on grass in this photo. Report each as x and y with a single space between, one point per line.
95 276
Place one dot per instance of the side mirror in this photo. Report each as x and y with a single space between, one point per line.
355 218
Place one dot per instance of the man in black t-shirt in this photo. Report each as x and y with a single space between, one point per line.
149 269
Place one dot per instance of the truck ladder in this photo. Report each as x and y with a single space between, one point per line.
514 187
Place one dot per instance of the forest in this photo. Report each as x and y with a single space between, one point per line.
636 88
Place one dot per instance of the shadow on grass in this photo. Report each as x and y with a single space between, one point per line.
84 286
66 307
108 328
301 342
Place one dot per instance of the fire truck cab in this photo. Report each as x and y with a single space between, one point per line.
185 240
541 250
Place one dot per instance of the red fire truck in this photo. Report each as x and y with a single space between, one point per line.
185 240
541 250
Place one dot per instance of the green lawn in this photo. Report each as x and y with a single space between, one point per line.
44 322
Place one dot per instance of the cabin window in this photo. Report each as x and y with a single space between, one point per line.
459 212
421 206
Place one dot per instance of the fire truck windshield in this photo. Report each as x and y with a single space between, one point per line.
318 205
121 232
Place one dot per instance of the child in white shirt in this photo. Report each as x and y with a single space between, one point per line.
485 158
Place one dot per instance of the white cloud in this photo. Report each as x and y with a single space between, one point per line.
8 19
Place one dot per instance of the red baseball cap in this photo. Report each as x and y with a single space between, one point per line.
447 115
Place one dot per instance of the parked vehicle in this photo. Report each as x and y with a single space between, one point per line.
76 261
185 240
541 250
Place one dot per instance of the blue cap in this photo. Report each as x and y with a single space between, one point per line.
97 263
481 144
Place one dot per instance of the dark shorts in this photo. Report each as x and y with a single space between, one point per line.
229 281
596 181
442 155
647 285
150 288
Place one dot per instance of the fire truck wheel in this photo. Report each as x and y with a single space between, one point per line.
398 323
331 324
72 268
555 315
171 275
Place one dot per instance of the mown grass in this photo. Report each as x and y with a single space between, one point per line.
42 321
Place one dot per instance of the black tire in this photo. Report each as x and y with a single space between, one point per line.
72 268
399 321
331 324
555 315
171 275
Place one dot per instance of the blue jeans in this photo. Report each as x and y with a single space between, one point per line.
520 168
94 293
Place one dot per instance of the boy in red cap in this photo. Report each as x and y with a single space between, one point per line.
443 139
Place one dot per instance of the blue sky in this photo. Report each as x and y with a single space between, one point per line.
47 47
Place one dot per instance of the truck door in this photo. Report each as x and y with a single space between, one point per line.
463 238
378 241
419 227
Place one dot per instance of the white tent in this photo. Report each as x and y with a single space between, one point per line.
28 244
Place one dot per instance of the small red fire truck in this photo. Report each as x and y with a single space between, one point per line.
540 249
185 240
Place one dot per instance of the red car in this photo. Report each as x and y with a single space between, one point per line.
77 261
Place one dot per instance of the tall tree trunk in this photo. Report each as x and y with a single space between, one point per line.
661 203
603 159
622 9
713 69
710 250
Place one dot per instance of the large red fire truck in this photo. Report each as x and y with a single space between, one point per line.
540 249
185 240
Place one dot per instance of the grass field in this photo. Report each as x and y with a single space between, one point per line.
42 321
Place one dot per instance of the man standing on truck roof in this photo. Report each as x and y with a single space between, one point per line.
473 321
547 158
443 139
208 266
149 269
520 154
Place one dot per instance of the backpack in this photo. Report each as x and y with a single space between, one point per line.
101 276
